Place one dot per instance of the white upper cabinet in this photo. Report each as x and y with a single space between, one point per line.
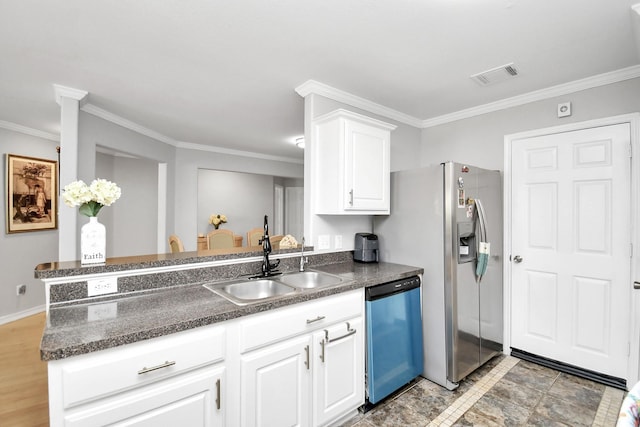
351 164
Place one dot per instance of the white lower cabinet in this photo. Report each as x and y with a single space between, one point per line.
300 365
338 370
188 400
313 378
179 377
275 384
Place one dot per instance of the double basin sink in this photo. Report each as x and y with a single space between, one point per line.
252 290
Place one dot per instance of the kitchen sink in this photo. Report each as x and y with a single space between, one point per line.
243 292
309 279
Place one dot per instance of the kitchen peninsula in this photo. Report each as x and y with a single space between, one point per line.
165 348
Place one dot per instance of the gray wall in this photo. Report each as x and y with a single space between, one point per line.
188 162
21 252
480 140
243 197
132 221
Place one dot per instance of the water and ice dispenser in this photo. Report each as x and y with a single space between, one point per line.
466 242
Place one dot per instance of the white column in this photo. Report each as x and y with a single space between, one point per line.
69 100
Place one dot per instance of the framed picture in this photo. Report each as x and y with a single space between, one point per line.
32 194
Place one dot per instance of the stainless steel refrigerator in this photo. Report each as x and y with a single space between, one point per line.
447 219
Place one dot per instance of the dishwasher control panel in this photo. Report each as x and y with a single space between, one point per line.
390 288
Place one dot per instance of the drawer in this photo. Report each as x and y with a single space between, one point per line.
105 372
266 328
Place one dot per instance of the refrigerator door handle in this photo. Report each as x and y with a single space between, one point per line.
482 248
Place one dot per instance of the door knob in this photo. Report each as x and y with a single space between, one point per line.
517 259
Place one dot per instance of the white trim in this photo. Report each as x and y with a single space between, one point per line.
21 314
633 373
128 124
69 92
312 86
29 131
230 151
162 208
538 95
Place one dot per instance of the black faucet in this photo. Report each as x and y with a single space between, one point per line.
267 267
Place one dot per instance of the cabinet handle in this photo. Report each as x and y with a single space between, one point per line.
349 333
636 285
322 344
351 197
317 319
155 368
306 362
218 394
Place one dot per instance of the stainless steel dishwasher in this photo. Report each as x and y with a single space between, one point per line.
394 337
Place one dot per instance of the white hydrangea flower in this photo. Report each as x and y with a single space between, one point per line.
91 198
104 192
76 194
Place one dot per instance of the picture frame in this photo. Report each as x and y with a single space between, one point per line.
32 194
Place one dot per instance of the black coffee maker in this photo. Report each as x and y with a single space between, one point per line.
366 247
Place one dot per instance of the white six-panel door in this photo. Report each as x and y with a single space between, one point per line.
570 294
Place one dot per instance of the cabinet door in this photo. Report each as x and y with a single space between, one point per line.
193 399
275 384
338 370
367 168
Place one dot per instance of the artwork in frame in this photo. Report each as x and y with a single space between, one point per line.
32 190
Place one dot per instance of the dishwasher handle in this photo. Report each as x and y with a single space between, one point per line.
388 289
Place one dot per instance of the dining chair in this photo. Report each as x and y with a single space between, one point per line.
275 241
175 244
254 236
220 239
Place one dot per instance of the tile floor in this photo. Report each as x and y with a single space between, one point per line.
505 392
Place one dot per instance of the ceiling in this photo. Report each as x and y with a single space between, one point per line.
224 73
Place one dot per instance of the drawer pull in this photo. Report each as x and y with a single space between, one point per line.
317 319
155 368
306 362
636 285
218 394
349 333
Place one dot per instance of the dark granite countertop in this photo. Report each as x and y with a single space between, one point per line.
113 265
83 328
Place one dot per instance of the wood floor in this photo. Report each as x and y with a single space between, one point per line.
24 398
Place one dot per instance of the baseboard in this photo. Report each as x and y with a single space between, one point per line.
21 314
609 380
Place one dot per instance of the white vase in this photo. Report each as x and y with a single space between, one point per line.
93 242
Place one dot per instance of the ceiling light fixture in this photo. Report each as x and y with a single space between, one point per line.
300 142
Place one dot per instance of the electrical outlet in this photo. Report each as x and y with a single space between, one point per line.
102 311
324 242
21 290
338 241
108 285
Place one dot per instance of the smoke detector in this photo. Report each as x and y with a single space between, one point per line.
495 75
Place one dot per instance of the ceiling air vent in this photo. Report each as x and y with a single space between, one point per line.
495 75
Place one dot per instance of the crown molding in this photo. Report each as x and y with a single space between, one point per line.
29 131
128 124
220 150
538 95
315 87
69 92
